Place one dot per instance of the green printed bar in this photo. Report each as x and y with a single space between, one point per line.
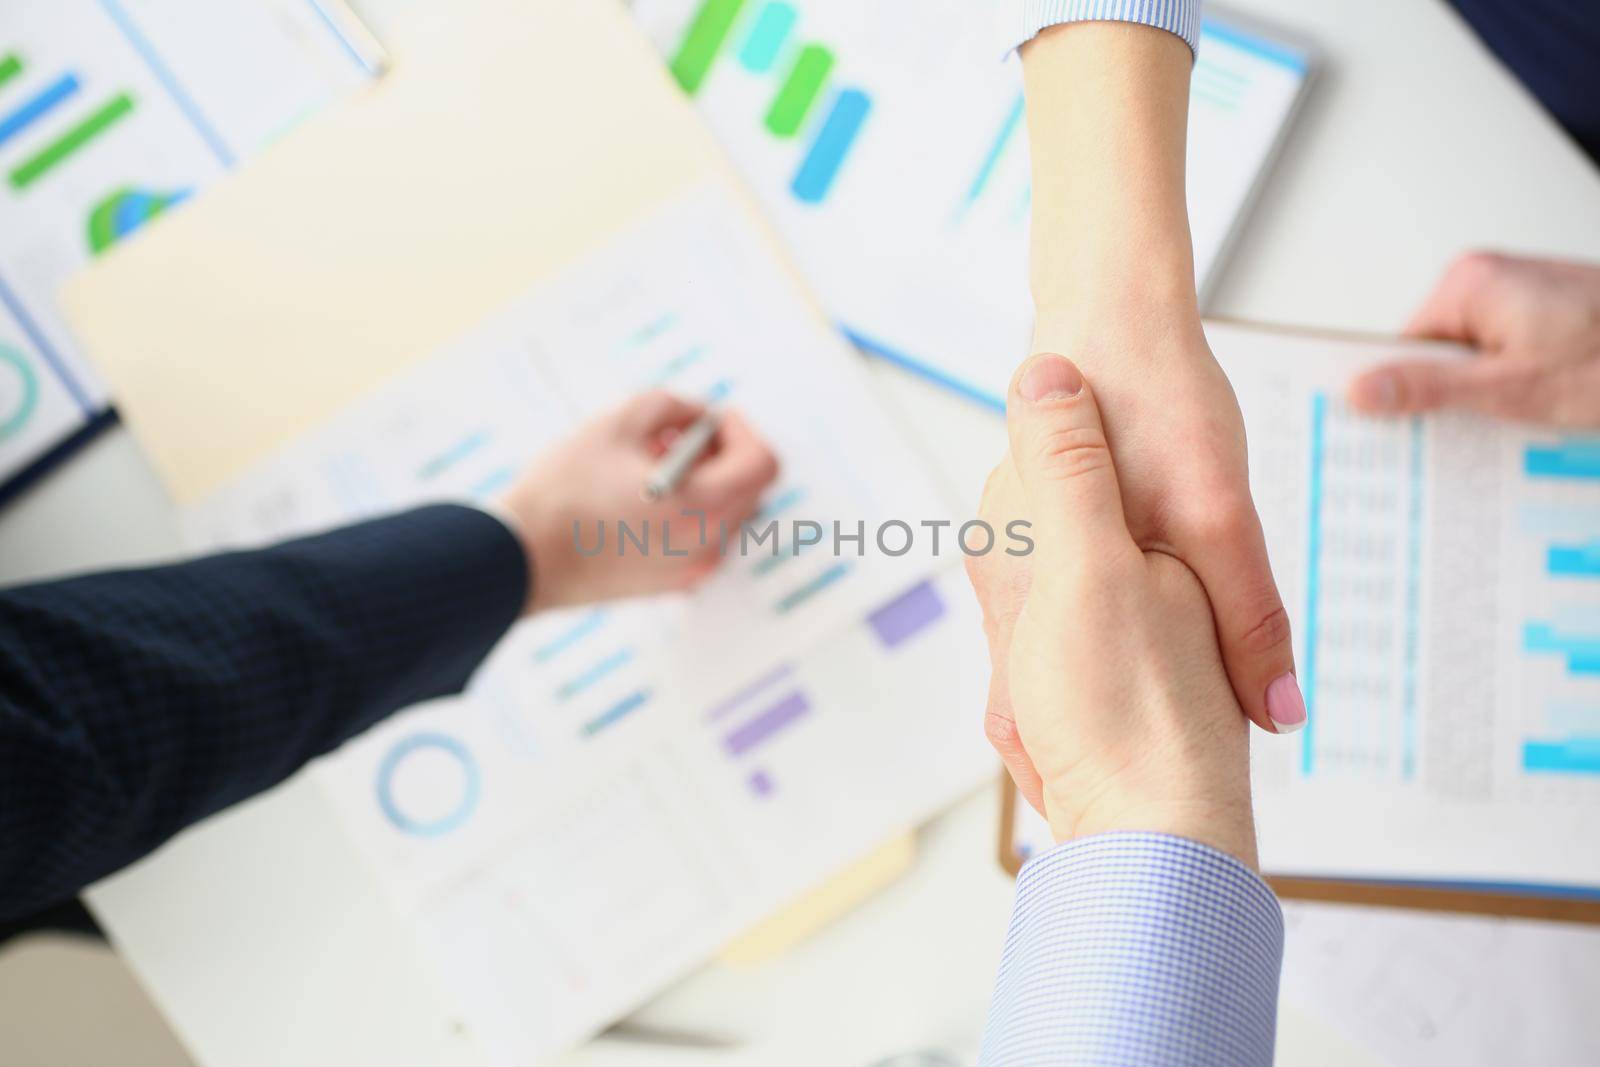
800 90
705 38
31 170
10 67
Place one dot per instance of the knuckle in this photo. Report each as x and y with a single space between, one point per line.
1001 732
1476 269
1271 632
1226 517
1071 452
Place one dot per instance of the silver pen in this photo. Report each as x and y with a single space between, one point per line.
685 451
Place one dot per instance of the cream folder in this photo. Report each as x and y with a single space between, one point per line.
509 136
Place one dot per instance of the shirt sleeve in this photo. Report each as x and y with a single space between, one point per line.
1137 949
135 703
1028 17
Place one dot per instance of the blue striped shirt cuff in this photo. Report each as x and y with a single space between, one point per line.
1181 17
1137 949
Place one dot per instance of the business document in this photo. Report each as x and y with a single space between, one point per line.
625 788
888 144
112 113
1442 573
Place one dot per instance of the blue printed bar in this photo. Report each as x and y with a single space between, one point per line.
569 637
822 581
1308 674
37 107
1543 637
572 687
821 164
1571 459
1573 755
1008 129
618 711
1586 664
1574 561
767 36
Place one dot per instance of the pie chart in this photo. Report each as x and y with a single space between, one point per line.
19 391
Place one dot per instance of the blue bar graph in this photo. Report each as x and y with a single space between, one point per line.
590 675
569 637
37 107
1586 664
1572 755
453 455
1578 459
781 503
821 164
1308 673
616 712
1574 561
799 596
767 36
1008 129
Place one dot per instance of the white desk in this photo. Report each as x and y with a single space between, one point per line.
1416 145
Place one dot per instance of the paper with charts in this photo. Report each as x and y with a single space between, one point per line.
113 112
886 142
1443 577
626 788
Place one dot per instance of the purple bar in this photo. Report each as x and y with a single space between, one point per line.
761 784
902 617
769 722
747 692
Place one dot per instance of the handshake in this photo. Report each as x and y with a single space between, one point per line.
1129 650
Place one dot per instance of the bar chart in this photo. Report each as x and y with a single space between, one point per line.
113 113
1562 642
797 76
1363 536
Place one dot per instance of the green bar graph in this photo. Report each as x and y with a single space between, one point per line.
705 38
800 90
37 166
10 67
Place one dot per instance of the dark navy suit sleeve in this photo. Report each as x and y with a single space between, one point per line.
135 703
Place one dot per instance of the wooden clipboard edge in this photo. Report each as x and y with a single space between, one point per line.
1433 898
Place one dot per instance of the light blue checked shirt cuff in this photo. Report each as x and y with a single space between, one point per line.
1181 17
1135 949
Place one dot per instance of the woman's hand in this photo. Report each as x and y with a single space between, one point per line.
1121 715
1536 326
596 476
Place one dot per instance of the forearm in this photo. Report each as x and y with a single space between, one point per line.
1107 122
134 703
1139 950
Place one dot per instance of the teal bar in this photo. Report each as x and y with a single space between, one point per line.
766 37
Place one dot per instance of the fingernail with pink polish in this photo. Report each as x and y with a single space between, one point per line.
1285 706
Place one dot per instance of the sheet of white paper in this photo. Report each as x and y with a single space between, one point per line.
1443 578
624 789
1421 990
902 181
112 112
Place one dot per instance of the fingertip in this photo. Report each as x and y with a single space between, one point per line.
1286 705
1376 391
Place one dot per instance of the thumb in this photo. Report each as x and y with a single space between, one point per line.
1427 385
1059 449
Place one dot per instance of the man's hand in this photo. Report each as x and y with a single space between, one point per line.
595 477
1536 326
1108 658
1178 438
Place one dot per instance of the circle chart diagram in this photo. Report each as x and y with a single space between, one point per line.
19 391
428 784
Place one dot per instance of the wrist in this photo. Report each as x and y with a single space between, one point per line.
1225 823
